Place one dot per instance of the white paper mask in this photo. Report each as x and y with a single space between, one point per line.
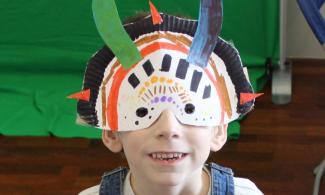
127 98
133 99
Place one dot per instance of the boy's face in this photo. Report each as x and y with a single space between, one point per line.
167 152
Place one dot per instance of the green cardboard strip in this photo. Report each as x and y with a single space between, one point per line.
109 26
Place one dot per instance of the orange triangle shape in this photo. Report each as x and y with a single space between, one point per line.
156 18
247 97
82 95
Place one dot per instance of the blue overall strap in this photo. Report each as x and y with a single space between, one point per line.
112 182
222 180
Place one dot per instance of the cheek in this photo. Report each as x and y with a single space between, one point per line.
200 138
132 143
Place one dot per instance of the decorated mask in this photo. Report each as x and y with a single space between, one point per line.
163 62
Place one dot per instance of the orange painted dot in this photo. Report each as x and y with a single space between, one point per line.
169 81
142 90
154 79
162 79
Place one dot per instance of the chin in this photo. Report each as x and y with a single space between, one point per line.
169 179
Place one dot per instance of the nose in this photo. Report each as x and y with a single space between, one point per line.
167 126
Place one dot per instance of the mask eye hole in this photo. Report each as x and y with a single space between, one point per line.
142 112
189 108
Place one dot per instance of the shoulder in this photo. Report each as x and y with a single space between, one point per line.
245 186
90 191
109 178
242 186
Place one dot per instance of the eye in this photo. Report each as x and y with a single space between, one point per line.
189 108
142 112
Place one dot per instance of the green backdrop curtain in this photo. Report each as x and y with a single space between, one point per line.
45 45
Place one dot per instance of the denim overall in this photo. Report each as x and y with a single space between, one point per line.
222 181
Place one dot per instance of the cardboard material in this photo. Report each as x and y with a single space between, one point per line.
247 97
206 36
109 27
83 95
132 98
165 80
156 18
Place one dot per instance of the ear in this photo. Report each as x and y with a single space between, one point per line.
219 137
111 141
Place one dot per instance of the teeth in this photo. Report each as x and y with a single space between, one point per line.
166 156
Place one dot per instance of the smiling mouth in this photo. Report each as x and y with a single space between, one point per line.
167 156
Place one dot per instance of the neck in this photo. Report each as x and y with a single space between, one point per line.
197 184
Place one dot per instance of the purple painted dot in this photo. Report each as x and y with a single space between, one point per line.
174 102
163 98
156 99
169 99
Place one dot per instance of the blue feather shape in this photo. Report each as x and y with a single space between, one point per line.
208 30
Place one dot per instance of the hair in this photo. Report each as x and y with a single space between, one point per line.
137 17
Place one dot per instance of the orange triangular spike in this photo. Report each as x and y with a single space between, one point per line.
247 97
82 95
156 18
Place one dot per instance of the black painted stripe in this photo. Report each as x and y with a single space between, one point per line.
182 69
196 78
207 92
147 66
133 80
165 66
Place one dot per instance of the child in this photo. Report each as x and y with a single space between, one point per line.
165 100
